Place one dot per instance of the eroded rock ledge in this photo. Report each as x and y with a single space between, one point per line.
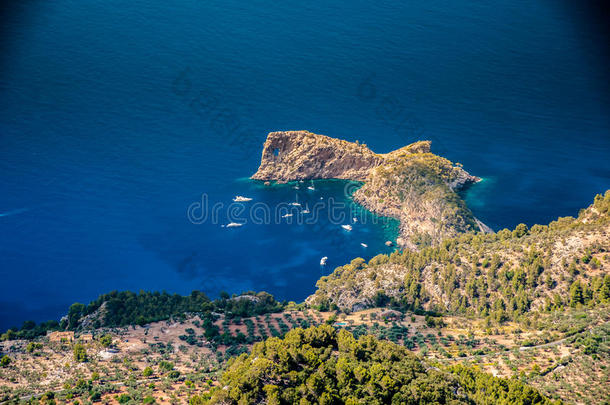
410 184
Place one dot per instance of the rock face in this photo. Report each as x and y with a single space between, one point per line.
410 184
298 155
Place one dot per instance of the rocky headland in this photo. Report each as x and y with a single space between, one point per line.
410 184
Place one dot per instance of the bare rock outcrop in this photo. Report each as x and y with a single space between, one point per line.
410 184
298 155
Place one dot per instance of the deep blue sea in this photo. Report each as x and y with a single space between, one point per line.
116 117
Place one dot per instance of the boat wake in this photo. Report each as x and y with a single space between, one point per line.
13 212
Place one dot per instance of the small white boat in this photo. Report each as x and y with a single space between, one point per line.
296 187
323 261
306 210
286 215
312 188
233 225
364 245
355 219
347 227
239 198
296 204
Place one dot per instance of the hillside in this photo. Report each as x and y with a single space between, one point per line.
410 184
565 354
497 276
437 324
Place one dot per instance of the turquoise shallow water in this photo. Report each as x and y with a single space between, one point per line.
116 117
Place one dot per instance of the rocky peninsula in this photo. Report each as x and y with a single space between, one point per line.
411 184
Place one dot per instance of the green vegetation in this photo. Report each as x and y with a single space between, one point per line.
106 340
80 354
127 308
423 182
483 388
33 346
29 330
500 276
123 399
322 365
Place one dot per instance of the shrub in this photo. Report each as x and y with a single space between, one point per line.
106 340
5 361
123 398
80 354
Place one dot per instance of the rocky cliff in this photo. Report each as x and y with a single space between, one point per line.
298 155
410 184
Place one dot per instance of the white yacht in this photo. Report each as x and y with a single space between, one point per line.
233 225
323 261
286 215
347 227
306 210
239 198
364 245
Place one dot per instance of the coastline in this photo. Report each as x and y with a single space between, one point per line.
410 184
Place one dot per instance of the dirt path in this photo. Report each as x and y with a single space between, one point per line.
523 348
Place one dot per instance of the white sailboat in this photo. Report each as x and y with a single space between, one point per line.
296 203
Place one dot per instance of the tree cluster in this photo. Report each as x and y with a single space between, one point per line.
326 366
